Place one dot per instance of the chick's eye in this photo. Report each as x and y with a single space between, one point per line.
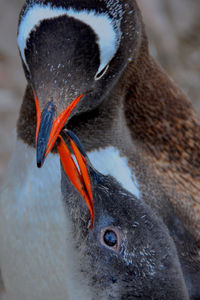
110 238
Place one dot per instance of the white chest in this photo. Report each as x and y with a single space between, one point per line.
36 253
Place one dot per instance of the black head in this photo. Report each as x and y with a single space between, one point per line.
76 47
128 254
72 48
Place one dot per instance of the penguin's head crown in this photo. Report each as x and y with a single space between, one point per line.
103 24
68 46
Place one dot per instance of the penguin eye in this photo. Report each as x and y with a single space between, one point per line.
101 73
110 238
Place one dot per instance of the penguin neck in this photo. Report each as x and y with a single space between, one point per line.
155 108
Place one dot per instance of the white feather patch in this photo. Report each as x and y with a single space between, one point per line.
101 24
109 162
37 254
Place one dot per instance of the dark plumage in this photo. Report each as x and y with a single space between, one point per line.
128 254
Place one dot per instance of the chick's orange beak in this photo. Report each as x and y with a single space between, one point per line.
79 177
48 128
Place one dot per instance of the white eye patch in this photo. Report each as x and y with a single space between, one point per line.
108 38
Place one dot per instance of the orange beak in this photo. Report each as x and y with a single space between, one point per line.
80 179
48 128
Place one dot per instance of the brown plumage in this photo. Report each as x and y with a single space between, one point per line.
167 129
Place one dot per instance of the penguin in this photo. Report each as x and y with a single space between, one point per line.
88 67
98 51
121 248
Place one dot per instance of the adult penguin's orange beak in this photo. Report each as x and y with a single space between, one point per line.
48 128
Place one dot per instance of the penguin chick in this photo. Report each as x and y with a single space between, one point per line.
128 253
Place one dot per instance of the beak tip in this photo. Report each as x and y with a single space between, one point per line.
39 165
39 162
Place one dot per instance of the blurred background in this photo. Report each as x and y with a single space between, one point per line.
173 27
